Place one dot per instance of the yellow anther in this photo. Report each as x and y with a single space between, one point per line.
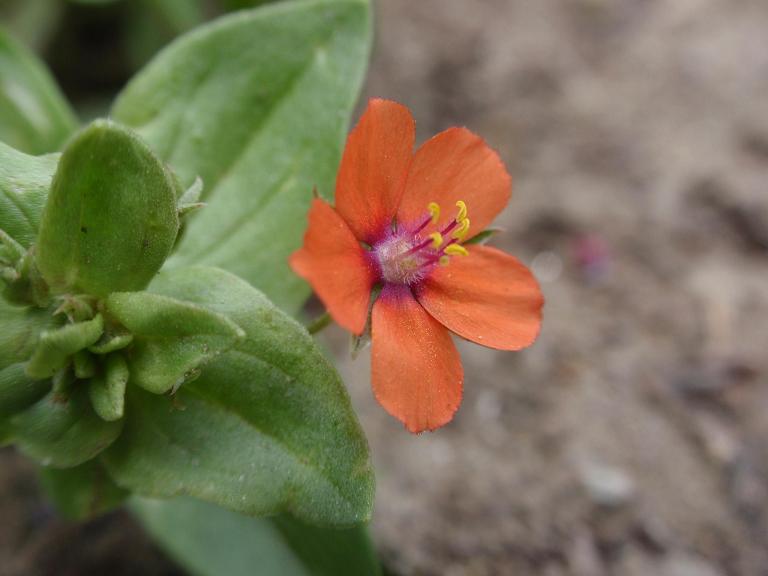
434 211
444 260
437 240
456 250
462 230
462 215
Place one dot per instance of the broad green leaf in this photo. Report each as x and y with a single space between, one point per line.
266 428
110 220
257 104
83 491
329 552
173 339
24 184
63 432
34 116
215 541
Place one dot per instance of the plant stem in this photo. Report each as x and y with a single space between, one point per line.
319 323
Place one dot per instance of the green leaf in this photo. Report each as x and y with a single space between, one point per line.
34 116
83 491
63 432
111 219
483 237
178 15
330 552
257 104
107 389
56 346
215 541
173 339
83 365
266 428
18 391
21 327
34 21
24 184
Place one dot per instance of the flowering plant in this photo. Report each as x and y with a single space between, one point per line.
433 276
149 346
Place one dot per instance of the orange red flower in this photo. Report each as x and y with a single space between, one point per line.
403 222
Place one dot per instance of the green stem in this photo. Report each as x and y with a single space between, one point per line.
319 323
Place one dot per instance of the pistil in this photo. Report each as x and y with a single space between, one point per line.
406 257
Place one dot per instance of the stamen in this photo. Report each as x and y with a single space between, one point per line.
462 230
456 250
434 211
431 240
434 215
462 211
407 256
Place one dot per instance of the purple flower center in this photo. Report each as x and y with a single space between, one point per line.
408 253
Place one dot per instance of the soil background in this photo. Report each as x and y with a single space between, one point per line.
630 440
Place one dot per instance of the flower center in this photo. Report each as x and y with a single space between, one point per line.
408 255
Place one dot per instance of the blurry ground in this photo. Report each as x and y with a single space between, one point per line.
34 541
631 439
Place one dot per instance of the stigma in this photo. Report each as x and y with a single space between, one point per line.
409 253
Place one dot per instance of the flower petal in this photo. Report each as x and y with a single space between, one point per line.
487 297
336 266
374 167
456 165
416 370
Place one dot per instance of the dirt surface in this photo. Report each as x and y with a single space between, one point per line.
630 440
35 541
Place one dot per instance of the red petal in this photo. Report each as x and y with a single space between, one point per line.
374 167
336 266
488 297
416 369
456 165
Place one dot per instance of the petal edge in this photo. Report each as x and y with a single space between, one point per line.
336 266
416 371
374 168
454 165
487 297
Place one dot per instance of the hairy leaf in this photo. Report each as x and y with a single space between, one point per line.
257 104
24 184
173 339
55 347
18 391
63 432
20 330
110 220
107 389
266 428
